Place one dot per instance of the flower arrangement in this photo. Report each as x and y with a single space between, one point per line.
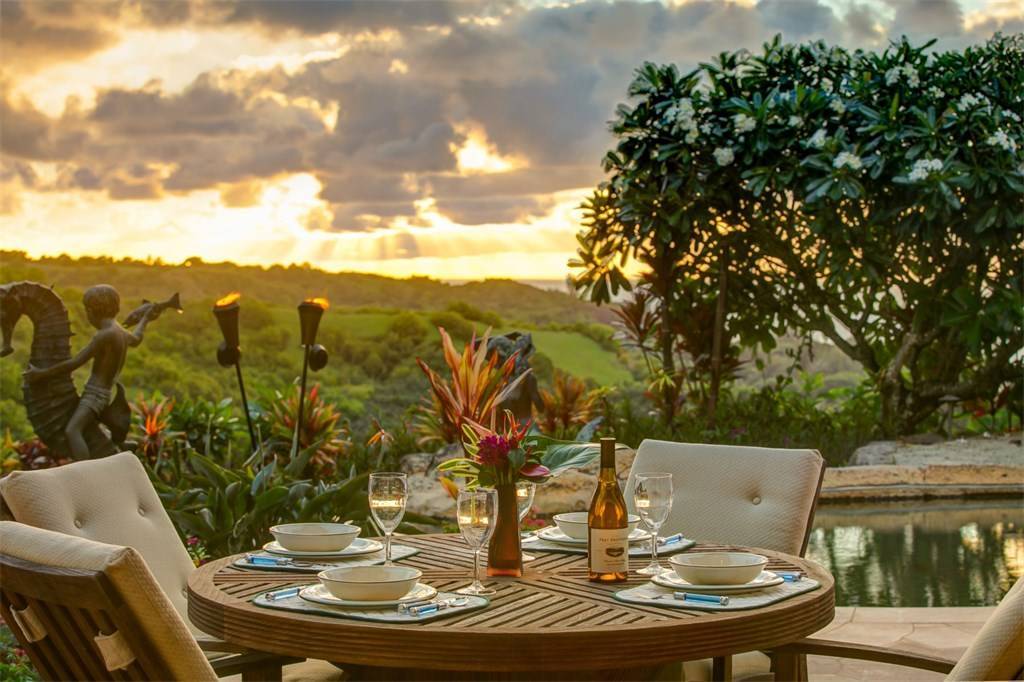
513 453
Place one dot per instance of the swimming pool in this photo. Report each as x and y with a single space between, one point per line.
921 553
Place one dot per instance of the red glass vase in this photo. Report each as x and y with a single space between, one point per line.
504 554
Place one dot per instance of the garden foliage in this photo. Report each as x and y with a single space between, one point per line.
875 199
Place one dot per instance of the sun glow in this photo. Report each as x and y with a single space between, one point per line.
478 155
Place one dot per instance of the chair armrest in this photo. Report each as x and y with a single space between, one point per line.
865 652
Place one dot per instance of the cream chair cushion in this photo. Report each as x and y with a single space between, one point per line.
108 500
129 575
997 652
759 497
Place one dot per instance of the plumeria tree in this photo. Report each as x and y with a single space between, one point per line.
874 199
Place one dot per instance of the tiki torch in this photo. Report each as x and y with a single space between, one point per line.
229 353
314 355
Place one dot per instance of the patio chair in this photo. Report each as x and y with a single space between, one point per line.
997 652
111 500
85 610
742 495
738 495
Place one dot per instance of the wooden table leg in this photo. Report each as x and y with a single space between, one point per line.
789 667
721 668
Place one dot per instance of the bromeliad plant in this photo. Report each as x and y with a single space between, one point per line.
516 452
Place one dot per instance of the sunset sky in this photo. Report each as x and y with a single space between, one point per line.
450 139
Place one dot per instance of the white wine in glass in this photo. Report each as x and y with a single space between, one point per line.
477 512
388 495
652 497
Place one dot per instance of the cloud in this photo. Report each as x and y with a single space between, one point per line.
536 81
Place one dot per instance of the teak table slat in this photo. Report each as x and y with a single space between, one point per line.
552 620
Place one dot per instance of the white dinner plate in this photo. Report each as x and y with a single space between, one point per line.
672 579
320 595
358 547
555 534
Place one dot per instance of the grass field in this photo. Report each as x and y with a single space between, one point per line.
582 357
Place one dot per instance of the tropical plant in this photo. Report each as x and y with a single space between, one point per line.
154 417
27 455
230 510
321 430
568 404
874 199
516 452
477 386
207 426
15 665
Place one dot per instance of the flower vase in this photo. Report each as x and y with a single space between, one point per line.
504 554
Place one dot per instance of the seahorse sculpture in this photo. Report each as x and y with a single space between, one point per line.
51 401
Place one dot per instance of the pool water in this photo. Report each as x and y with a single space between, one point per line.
921 553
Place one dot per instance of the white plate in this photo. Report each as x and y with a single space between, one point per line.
671 579
554 534
320 595
358 547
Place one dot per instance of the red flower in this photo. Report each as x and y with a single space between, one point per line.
493 450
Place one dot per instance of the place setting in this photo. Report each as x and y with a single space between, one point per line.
314 547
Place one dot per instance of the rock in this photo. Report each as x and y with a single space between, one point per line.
875 453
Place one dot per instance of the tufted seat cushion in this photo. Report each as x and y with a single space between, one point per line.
109 500
760 497
133 582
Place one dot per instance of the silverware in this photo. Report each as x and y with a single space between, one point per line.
453 602
671 539
706 598
263 560
282 594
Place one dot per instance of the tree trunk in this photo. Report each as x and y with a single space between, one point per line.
719 337
668 362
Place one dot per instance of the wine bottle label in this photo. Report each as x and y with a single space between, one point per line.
609 550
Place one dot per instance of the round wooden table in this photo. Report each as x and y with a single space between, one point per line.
552 622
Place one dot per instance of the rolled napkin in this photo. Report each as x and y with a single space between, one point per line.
790 576
678 537
283 594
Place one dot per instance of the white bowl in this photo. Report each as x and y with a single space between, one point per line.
315 537
574 524
369 583
718 568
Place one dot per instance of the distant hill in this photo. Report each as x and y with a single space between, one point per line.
280 285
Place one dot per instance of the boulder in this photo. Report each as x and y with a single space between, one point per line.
875 453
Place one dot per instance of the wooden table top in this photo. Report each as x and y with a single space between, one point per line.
552 618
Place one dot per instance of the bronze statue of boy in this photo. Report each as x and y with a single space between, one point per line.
108 350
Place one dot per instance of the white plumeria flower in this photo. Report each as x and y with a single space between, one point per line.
923 168
706 128
848 159
724 156
743 123
817 139
1001 139
969 101
1011 115
838 106
892 75
795 121
691 136
936 92
826 83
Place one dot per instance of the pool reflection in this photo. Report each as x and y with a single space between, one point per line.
937 553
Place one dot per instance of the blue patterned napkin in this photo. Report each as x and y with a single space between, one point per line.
650 594
390 614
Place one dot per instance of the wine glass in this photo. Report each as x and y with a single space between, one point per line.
388 494
652 497
525 490
477 512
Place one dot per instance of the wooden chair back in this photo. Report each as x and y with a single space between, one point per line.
57 614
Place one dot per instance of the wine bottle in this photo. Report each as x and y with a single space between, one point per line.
607 524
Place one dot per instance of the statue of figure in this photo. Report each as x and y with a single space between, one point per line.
526 395
64 421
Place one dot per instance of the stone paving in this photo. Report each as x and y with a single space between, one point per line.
943 632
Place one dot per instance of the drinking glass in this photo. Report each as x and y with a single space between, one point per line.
477 512
652 497
525 490
389 492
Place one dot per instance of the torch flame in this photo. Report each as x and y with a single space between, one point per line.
322 302
227 300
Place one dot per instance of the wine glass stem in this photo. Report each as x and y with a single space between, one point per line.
654 547
476 567
387 548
